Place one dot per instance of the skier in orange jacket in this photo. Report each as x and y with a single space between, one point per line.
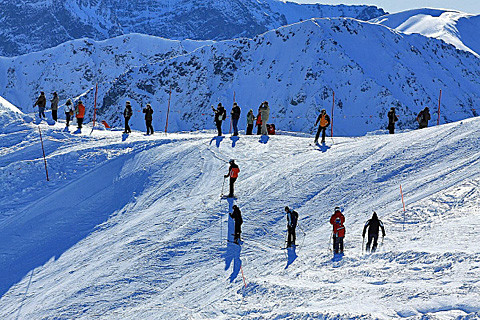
233 174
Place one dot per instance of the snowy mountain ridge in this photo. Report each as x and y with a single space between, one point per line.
133 227
453 27
296 68
36 25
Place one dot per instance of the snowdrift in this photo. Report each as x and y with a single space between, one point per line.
133 227
453 27
11 118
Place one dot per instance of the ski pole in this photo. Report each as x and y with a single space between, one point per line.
363 242
223 185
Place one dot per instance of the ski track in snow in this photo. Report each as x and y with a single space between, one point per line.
136 229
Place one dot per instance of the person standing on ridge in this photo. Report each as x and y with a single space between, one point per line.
324 121
69 110
236 215
80 113
235 117
373 225
423 118
54 106
250 121
233 172
41 103
292 218
148 118
337 220
265 112
220 115
392 118
259 121
127 113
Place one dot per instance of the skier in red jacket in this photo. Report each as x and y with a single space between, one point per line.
337 220
233 172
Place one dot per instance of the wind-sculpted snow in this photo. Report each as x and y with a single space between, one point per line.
36 25
133 227
456 28
296 69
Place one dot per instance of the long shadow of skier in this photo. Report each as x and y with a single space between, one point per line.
291 256
233 250
264 139
218 141
234 140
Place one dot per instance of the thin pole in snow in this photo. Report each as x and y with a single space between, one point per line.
43 150
95 108
439 102
168 110
331 120
231 117
404 211
244 281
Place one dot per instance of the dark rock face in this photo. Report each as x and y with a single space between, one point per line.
36 25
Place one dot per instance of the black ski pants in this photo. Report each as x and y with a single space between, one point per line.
238 232
67 117
232 182
323 130
391 128
127 127
54 115
291 237
235 127
249 129
337 244
372 238
79 122
219 127
149 126
259 129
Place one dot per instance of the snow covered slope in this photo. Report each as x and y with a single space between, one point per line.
297 68
456 28
135 229
74 68
35 25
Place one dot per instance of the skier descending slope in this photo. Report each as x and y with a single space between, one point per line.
373 225
233 172
292 218
337 220
220 115
324 121
236 215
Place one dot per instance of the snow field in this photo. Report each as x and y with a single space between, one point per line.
135 228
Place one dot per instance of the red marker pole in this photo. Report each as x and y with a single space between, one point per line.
404 211
43 150
439 102
95 108
168 110
231 117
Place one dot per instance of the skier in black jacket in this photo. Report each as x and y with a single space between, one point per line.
292 218
148 118
235 117
127 114
423 118
220 115
392 118
236 215
373 225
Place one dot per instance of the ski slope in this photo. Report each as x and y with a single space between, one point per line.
133 227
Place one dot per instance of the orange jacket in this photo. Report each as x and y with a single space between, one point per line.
234 172
80 111
337 220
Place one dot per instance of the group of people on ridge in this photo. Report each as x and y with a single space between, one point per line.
260 120
128 113
337 220
70 110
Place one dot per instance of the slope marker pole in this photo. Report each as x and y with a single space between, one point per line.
168 110
404 211
331 120
439 102
43 150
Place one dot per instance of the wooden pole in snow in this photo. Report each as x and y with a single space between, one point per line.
168 110
439 102
404 211
331 120
43 150
230 114
95 108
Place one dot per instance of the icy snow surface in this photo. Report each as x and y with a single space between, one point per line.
133 227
